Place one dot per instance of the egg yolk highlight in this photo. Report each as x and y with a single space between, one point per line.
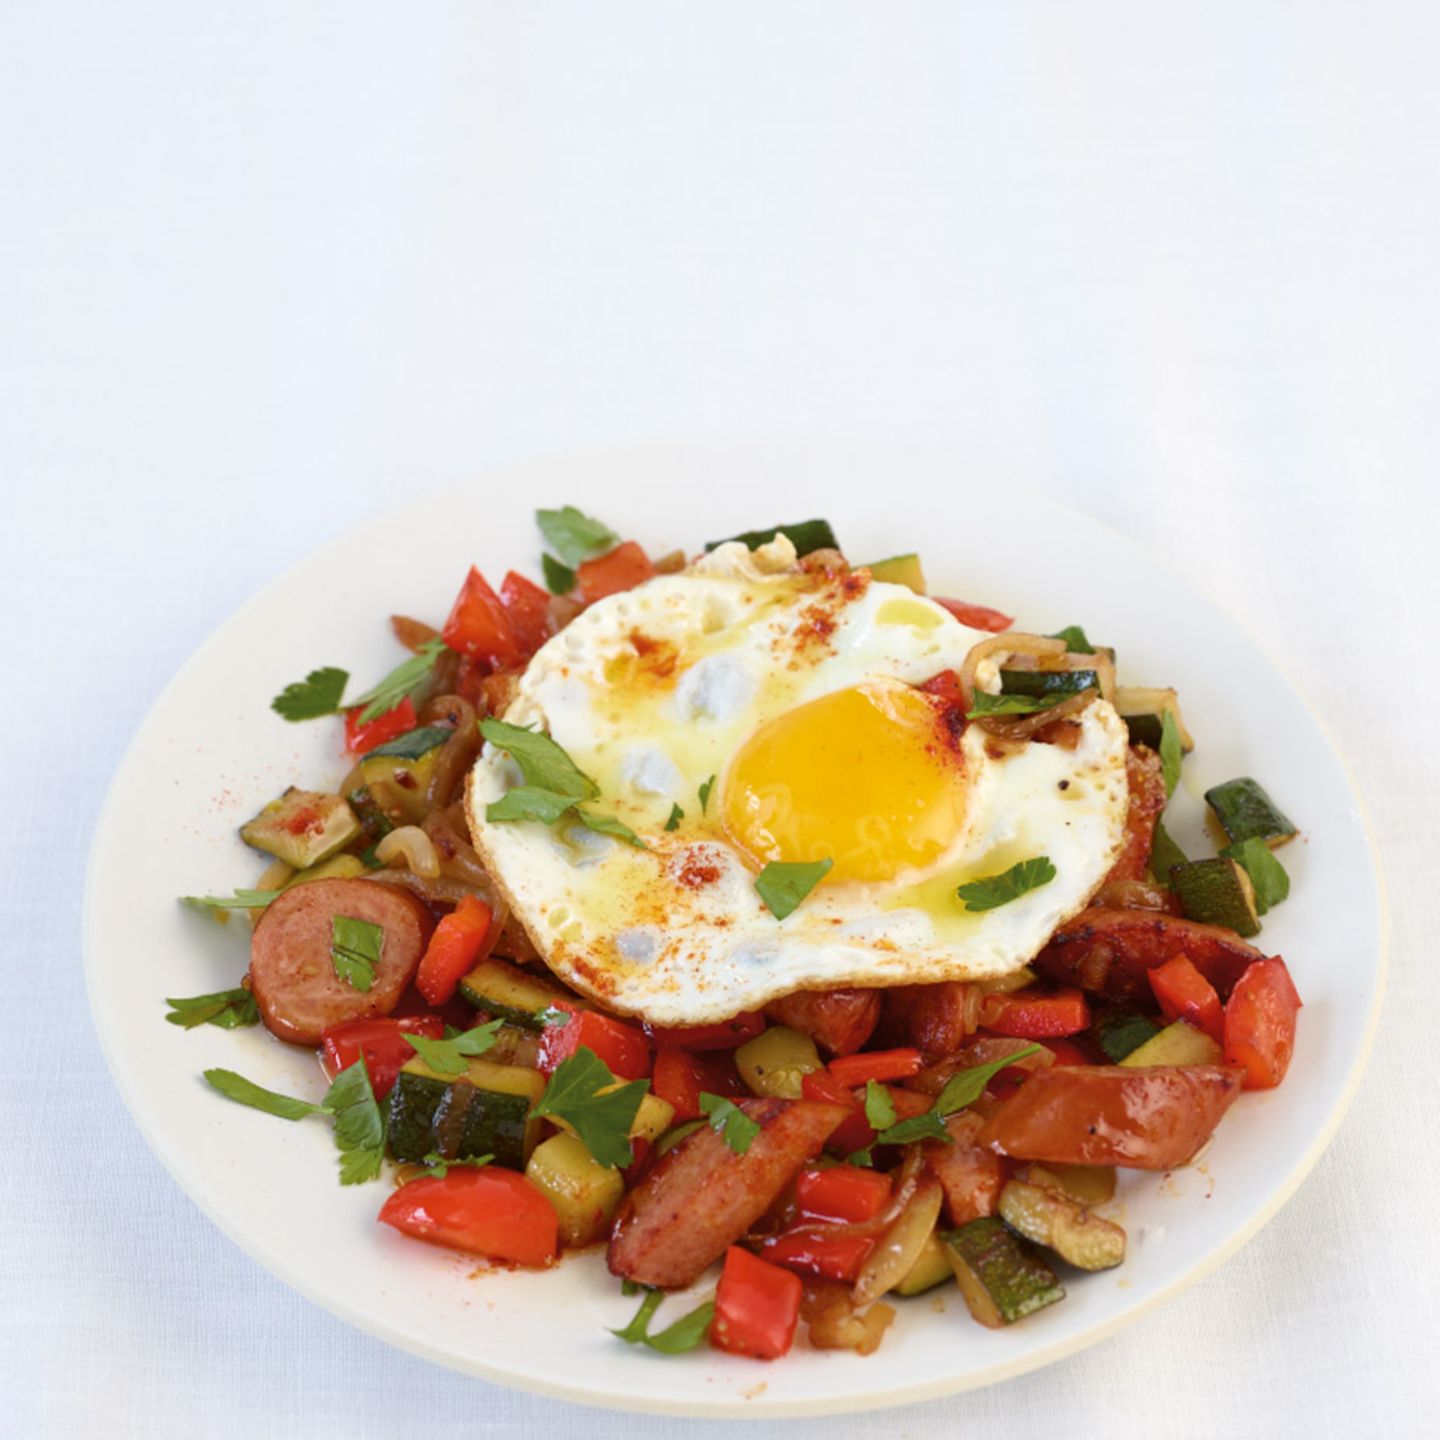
862 777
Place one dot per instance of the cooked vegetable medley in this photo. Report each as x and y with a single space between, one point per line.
830 941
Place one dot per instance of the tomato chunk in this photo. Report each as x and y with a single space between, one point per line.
876 1065
1259 1028
360 739
827 1257
1183 993
722 1035
843 1192
622 1047
679 1078
757 1306
480 626
977 617
380 1043
625 567
1032 1015
528 607
460 941
492 1212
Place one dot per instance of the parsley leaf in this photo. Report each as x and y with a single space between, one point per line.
782 886
1164 854
359 1124
229 1009
985 704
579 1092
635 1332
317 694
676 816
928 1126
1266 873
542 762
730 1121
240 900
704 793
247 1092
1171 751
413 743
962 1089
573 535
685 1334
405 679
355 947
995 890
447 1057
553 1015
609 825
1076 642
879 1107
437 1167
559 579
862 1158
529 802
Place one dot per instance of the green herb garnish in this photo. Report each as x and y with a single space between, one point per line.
602 1121
1171 751
608 825
1076 642
240 900
229 1009
574 536
1165 854
437 1167
1267 874
355 947
448 1056
783 885
414 743
405 679
995 890
879 1108
704 793
962 1089
559 579
730 1121
685 1334
676 816
985 704
319 693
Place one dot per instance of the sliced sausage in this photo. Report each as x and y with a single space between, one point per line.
1148 1118
934 1018
702 1196
838 1021
292 974
1145 778
1108 951
971 1174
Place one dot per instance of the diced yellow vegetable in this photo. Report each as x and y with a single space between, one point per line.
1089 1184
584 1192
931 1268
775 1062
1071 1231
1176 1044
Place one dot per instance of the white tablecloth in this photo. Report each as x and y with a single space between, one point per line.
265 269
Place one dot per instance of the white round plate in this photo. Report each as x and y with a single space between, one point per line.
212 751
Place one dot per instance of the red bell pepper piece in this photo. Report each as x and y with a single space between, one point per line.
480 626
845 1193
492 1212
1184 993
977 617
854 1131
723 1035
1031 1014
679 1078
528 607
459 943
1259 1031
1067 1052
944 686
827 1257
398 720
876 1065
380 1043
622 1047
625 567
757 1306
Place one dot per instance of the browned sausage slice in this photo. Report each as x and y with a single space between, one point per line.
839 1021
292 974
702 1196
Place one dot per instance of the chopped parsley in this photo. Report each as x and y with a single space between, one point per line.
993 891
583 1092
229 1009
783 885
355 947
319 693
448 1056
985 704
730 1121
685 1334
575 536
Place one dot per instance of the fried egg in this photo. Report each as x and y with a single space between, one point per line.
746 711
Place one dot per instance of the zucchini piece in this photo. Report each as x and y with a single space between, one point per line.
401 780
1177 1044
1142 708
585 1193
486 1111
337 867
1050 1219
1216 892
931 1268
1038 683
1087 1184
506 992
805 536
1121 1032
1002 1277
302 827
776 1061
899 570
373 820
1246 812
1266 873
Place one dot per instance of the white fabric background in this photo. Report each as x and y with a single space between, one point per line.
264 269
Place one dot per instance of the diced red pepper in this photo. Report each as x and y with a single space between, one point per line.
1260 1023
1031 1014
480 626
876 1065
622 1047
827 1257
679 1078
944 686
845 1193
625 567
1067 1052
398 720
528 607
1184 993
854 1131
723 1035
492 1212
460 942
757 1306
381 1043
977 617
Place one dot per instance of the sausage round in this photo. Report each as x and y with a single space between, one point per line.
292 974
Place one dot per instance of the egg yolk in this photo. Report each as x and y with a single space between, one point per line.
862 777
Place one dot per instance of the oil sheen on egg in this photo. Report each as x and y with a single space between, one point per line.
788 700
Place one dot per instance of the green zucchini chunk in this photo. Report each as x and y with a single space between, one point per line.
1063 1225
1002 1277
486 1111
805 536
1143 711
506 992
1217 892
1039 683
1177 1044
1246 812
1119 1033
402 781
302 827
373 820
899 570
